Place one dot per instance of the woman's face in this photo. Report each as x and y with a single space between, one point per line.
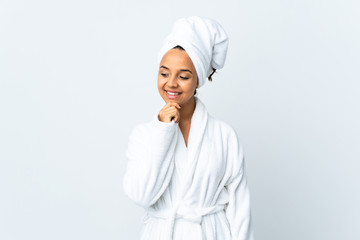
177 79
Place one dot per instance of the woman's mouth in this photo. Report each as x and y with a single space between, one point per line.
172 95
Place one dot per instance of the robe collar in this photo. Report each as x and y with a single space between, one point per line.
197 129
198 126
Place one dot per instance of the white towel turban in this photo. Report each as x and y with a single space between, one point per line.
204 40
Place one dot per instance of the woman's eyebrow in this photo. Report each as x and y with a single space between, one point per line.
182 70
186 70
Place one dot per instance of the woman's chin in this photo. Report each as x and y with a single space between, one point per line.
172 100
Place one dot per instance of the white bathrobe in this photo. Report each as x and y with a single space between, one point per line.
189 193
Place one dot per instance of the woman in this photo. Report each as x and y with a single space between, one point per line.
185 167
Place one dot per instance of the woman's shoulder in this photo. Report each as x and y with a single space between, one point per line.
223 126
228 135
226 131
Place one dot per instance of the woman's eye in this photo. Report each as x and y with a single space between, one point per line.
164 74
185 78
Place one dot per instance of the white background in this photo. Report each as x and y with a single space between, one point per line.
77 76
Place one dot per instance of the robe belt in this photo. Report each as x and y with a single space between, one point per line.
186 213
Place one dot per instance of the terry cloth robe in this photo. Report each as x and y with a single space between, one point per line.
189 193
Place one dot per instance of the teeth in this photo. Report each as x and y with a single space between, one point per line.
171 93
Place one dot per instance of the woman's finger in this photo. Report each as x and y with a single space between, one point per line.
170 112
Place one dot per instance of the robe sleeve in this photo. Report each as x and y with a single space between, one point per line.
150 161
238 208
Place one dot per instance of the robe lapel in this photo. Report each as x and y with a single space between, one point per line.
196 135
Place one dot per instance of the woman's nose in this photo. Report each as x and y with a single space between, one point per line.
172 82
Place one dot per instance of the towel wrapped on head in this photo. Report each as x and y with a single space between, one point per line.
204 40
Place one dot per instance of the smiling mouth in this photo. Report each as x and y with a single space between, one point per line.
173 93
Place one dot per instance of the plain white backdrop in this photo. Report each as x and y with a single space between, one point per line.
76 77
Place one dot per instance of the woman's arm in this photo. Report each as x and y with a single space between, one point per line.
150 161
238 209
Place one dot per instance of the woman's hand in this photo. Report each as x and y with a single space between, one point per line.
169 112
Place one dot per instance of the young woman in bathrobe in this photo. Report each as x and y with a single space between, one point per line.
185 167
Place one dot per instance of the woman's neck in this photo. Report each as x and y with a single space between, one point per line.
187 110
